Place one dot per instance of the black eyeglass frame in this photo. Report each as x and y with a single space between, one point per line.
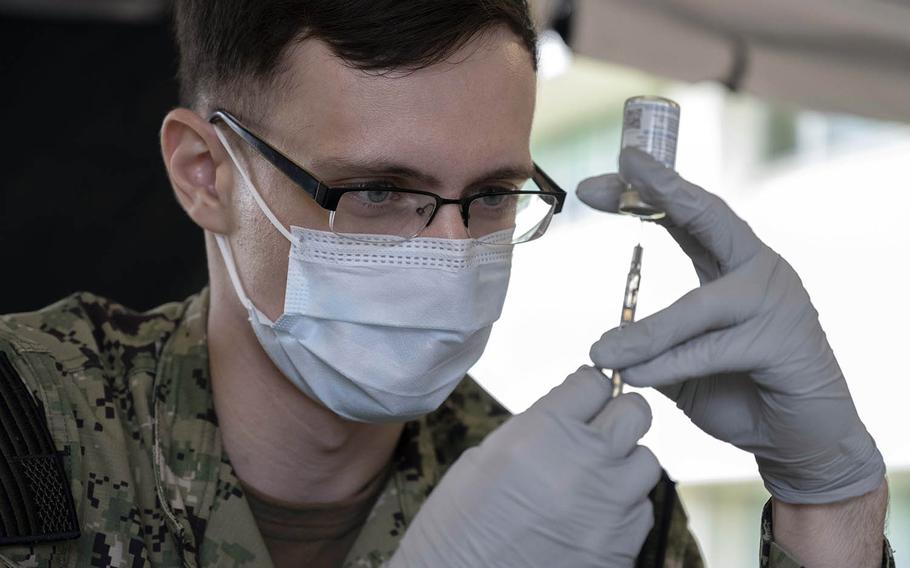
328 197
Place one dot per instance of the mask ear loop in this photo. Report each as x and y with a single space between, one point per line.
228 255
225 247
258 198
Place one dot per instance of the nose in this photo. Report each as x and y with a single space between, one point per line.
447 224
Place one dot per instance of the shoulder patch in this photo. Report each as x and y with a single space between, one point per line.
35 501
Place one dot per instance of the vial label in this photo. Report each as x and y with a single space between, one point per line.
651 126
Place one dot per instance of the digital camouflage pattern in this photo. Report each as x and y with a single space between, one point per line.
128 401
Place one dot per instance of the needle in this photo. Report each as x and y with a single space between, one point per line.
629 303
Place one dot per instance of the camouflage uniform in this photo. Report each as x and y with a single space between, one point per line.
127 403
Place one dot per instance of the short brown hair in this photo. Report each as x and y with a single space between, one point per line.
232 49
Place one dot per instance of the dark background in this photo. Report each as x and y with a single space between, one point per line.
85 203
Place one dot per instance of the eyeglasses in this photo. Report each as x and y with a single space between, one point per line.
497 216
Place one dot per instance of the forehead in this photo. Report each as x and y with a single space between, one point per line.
476 107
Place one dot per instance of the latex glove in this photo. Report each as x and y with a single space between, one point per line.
562 484
743 355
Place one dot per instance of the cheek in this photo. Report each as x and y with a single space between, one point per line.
261 251
261 255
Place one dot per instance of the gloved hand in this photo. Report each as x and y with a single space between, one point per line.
743 355
562 484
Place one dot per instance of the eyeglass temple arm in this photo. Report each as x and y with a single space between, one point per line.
316 189
284 164
542 179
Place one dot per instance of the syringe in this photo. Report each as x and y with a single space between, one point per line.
629 302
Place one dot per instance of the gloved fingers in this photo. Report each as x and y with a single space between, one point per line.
697 312
639 521
622 423
702 214
706 266
601 192
581 396
716 352
671 391
644 470
637 475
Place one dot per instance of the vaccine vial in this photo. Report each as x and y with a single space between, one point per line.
650 124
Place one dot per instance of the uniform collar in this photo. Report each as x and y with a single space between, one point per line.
187 450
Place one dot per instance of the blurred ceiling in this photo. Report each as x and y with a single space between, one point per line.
829 55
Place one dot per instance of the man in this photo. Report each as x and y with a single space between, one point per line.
357 168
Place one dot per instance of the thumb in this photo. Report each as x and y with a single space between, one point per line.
623 422
601 192
702 214
581 396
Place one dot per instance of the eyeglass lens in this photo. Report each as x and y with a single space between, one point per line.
497 219
382 212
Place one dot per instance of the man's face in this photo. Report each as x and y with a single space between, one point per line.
441 129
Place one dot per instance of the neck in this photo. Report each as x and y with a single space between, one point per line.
280 442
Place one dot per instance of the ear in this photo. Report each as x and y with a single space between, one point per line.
200 170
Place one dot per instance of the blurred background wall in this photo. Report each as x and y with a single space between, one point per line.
84 200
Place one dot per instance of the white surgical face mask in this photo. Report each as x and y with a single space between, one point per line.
376 331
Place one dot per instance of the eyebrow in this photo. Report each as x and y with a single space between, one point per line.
381 167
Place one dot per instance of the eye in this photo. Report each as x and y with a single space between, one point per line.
490 197
492 200
377 195
373 192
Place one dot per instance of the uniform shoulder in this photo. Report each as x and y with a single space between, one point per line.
77 377
85 330
467 416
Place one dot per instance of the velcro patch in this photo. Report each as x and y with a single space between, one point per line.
35 501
